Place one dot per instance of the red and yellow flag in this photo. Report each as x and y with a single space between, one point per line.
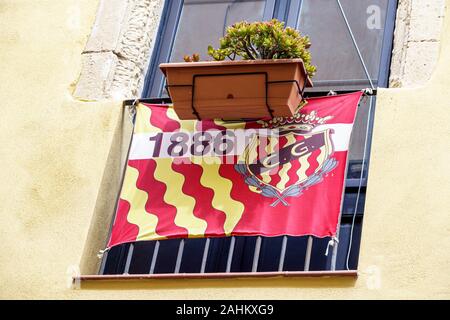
214 178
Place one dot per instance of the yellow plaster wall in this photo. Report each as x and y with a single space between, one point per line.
53 148
53 184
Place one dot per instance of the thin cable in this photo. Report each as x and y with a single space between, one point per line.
360 185
355 44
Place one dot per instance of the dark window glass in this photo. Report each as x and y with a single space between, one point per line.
189 26
218 255
345 240
243 256
115 259
192 256
167 256
269 255
203 23
333 51
142 257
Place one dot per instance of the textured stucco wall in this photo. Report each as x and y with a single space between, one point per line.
55 188
54 148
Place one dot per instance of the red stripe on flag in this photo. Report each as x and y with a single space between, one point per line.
122 230
155 203
273 173
210 125
255 205
254 124
313 163
292 172
160 119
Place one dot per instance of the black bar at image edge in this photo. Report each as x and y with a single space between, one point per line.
221 309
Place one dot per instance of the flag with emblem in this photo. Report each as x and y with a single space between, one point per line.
215 178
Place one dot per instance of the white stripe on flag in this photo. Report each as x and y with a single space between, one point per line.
144 144
340 136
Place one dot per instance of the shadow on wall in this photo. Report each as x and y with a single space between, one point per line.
106 199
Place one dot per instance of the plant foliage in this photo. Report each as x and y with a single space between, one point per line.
263 40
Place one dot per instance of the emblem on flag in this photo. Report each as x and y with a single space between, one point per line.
212 178
283 165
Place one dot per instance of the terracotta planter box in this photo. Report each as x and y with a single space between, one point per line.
236 89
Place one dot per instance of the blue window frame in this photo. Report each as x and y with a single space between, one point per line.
313 17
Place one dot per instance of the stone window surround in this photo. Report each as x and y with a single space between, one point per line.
119 48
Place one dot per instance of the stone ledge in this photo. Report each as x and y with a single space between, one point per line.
416 42
108 25
123 33
97 72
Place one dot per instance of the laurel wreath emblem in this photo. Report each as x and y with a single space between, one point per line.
293 191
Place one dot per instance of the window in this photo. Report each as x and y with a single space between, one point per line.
189 26
333 49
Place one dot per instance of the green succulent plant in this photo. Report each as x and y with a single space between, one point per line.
263 40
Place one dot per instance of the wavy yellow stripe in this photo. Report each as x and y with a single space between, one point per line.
171 114
230 125
222 195
137 215
182 202
265 176
285 168
250 153
304 165
143 124
301 173
284 176
321 157
188 125
205 160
